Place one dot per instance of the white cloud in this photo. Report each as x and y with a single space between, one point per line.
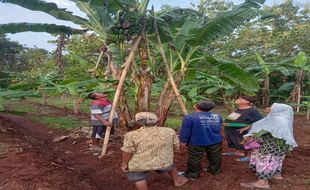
61 3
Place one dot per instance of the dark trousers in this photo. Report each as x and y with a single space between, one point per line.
99 131
195 156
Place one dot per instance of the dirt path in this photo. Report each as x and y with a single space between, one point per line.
30 160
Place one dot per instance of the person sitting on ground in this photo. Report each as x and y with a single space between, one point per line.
238 123
149 148
276 137
100 112
201 133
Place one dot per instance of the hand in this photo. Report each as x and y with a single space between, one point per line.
124 167
108 124
224 124
243 129
183 146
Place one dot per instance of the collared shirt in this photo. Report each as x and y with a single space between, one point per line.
152 148
201 129
244 116
104 111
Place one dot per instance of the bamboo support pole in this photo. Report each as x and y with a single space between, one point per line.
298 98
117 93
172 82
97 64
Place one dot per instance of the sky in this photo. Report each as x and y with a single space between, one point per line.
10 13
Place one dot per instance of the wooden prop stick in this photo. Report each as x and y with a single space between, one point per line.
172 82
98 62
117 93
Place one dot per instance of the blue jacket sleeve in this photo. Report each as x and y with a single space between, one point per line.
186 130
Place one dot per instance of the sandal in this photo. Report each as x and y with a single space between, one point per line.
232 154
228 154
253 185
243 159
183 175
181 181
278 177
96 148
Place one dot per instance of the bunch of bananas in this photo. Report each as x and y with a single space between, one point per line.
128 24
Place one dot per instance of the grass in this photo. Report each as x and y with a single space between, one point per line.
174 122
16 107
43 116
40 115
59 122
14 112
57 101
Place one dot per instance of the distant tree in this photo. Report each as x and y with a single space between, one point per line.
9 53
33 59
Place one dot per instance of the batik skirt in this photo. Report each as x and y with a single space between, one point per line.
267 161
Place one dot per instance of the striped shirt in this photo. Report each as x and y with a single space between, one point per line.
104 111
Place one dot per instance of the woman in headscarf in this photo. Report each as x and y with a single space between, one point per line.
275 133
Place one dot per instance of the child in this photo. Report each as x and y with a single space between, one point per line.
276 134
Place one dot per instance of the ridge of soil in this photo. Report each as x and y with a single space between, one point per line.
30 160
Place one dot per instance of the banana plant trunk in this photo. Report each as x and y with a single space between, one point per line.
75 105
45 98
1 104
165 101
143 96
168 94
266 92
144 79
125 114
61 42
64 98
295 96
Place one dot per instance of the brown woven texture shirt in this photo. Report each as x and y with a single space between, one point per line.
152 148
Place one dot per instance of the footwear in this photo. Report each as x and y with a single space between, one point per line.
96 148
253 185
228 154
277 177
243 159
190 178
181 181
233 154
206 170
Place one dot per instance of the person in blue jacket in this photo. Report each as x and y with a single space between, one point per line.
201 133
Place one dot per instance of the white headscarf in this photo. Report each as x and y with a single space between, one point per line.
279 122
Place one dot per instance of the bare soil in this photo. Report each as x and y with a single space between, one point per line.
29 160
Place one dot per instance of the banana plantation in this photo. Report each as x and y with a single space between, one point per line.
145 59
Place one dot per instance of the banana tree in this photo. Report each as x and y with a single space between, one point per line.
307 105
6 94
228 74
264 72
111 20
43 84
302 66
76 90
191 36
207 86
187 34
